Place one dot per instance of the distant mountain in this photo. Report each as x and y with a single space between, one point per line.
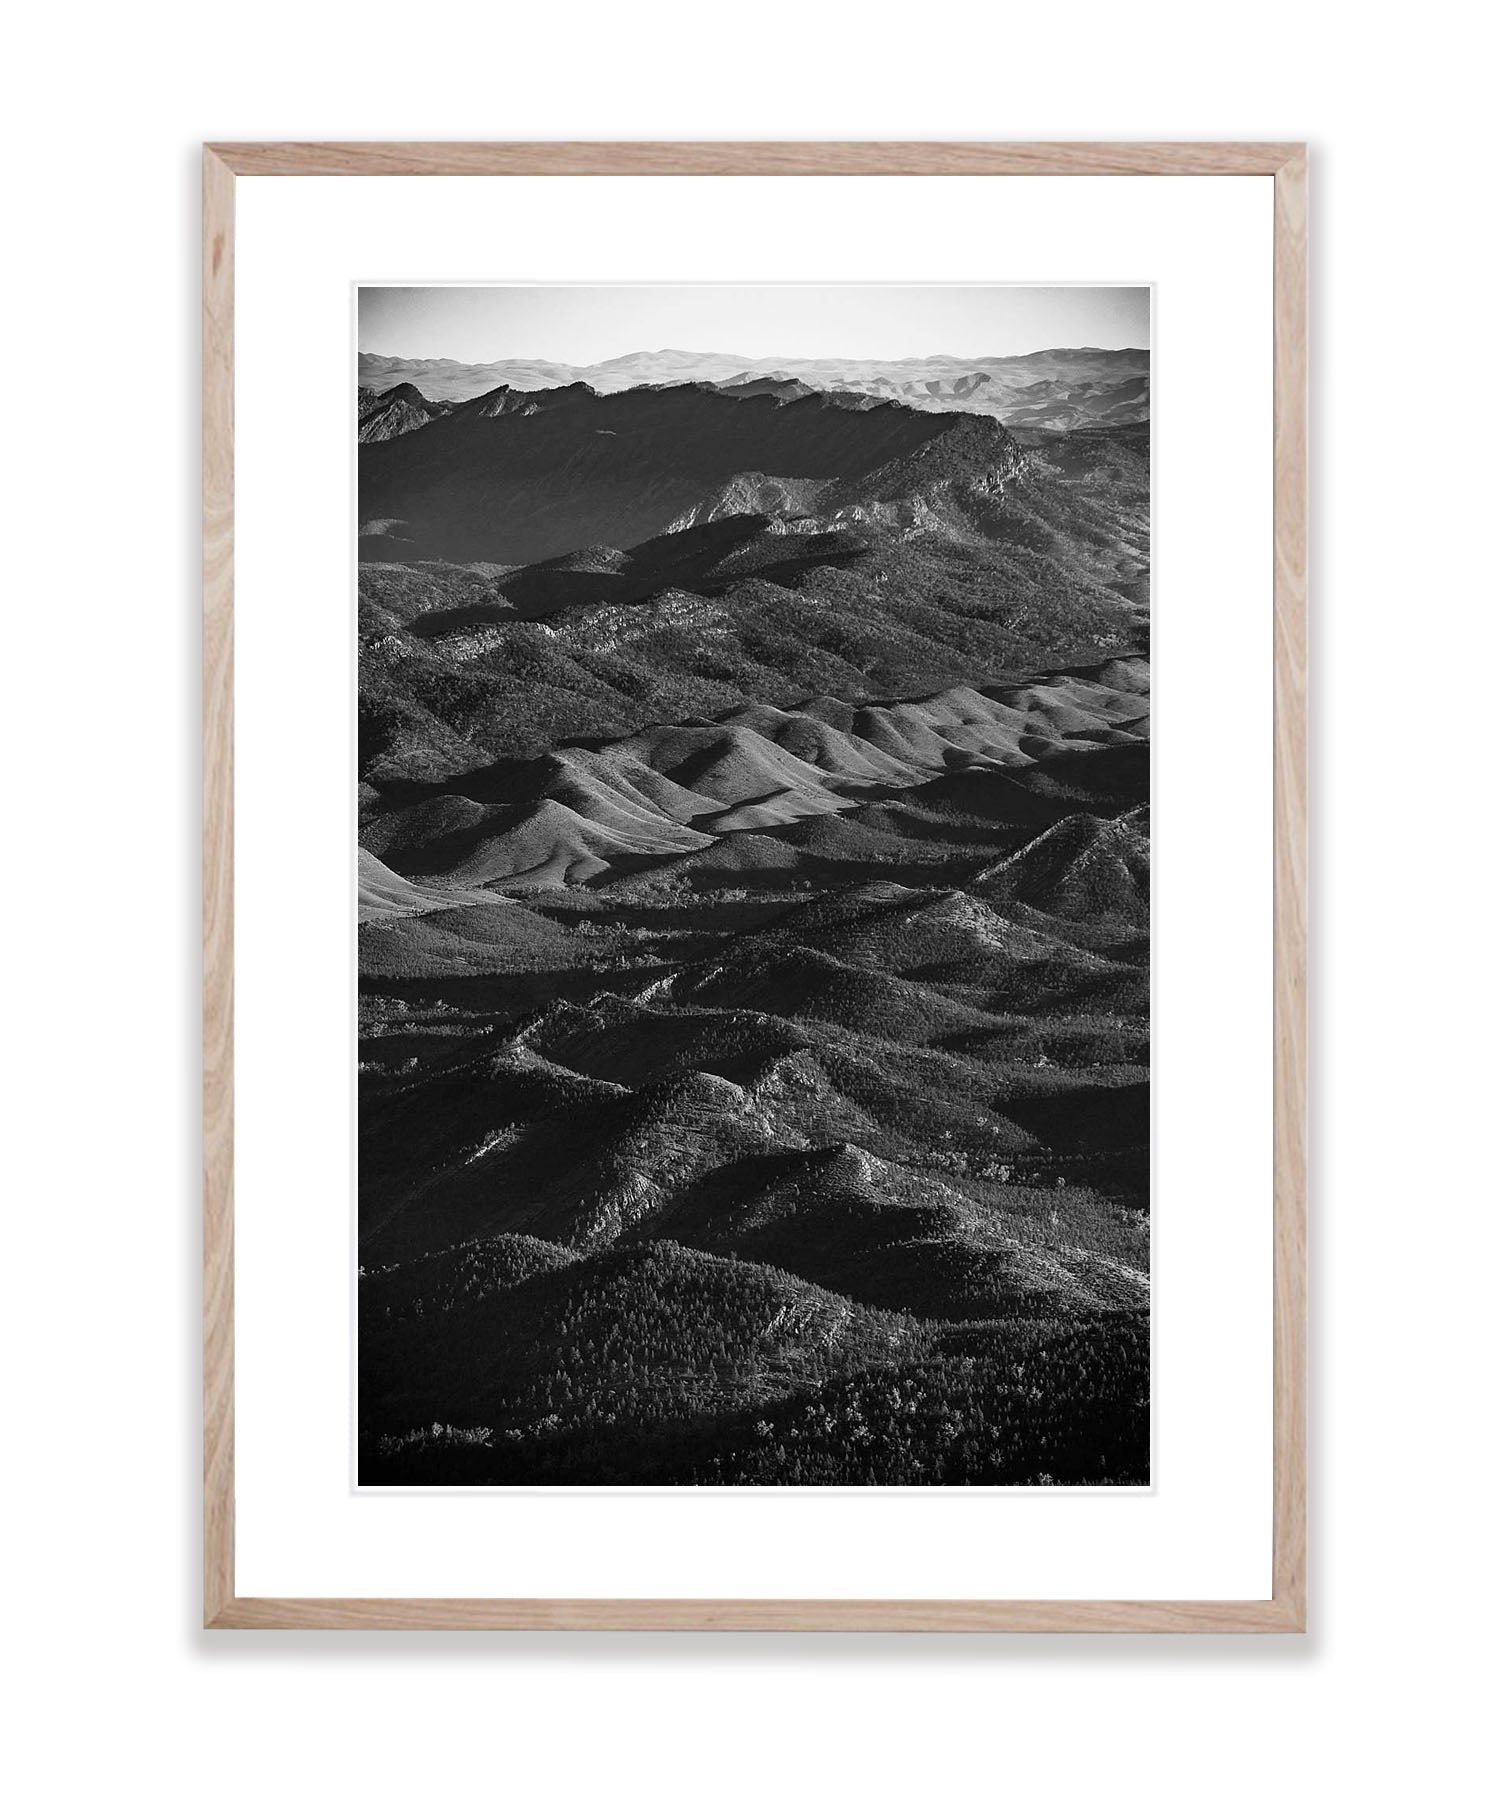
440 378
667 365
1051 389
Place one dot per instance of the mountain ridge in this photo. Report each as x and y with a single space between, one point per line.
1053 389
520 476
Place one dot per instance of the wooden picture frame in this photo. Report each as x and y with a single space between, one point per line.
1286 163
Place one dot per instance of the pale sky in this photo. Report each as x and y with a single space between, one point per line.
591 324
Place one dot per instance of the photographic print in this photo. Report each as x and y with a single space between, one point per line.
753 886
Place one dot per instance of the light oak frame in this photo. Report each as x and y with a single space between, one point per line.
1286 164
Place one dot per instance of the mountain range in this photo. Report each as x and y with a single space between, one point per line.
1052 389
754 947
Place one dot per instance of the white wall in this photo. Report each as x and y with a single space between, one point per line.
106 106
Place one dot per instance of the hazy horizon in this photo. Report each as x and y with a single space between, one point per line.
584 326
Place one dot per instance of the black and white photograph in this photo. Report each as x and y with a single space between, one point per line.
753 886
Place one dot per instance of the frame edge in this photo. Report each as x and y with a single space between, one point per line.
1030 1617
753 158
1289 801
218 886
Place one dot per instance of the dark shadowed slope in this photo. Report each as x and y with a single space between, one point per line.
516 477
